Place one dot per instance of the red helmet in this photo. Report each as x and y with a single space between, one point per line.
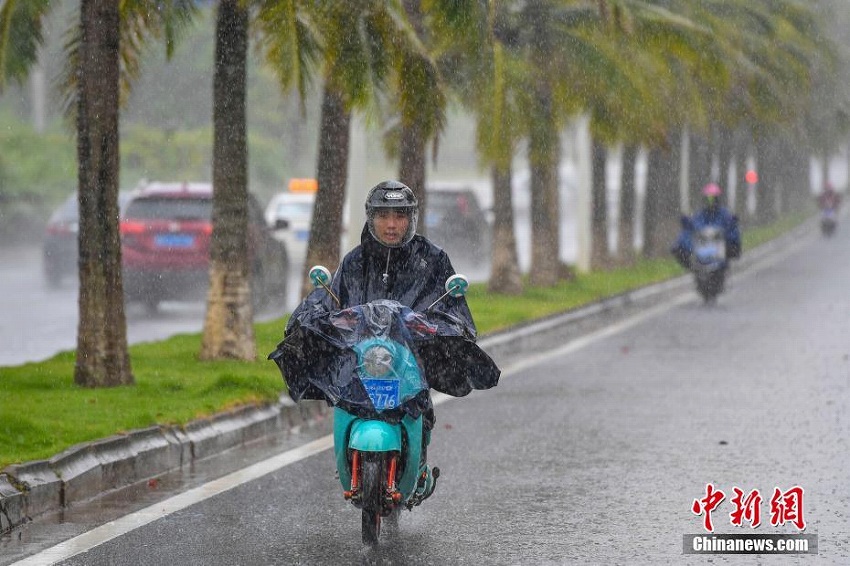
711 190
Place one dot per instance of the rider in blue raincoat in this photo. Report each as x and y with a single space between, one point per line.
712 214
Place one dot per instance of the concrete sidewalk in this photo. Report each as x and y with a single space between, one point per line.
89 470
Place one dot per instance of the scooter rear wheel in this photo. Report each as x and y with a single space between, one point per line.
371 489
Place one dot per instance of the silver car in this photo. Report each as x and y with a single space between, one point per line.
289 216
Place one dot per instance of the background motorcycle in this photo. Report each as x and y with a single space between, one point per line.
708 260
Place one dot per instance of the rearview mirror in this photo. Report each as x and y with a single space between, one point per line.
320 276
456 285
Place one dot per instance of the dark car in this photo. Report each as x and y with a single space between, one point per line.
165 233
59 249
456 222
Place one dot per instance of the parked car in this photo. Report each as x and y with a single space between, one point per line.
166 230
289 214
455 221
59 248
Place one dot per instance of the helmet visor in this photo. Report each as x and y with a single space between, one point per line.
392 226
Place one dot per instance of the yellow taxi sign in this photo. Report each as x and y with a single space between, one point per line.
303 185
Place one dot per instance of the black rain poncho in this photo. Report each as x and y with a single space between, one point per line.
317 362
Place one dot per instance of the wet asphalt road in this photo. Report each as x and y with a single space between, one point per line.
593 455
38 321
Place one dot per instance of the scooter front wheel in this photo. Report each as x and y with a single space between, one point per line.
371 489
711 286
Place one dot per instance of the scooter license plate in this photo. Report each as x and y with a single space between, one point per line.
384 393
713 250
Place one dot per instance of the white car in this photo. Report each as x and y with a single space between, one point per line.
289 215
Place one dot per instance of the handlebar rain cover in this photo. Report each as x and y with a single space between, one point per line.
322 355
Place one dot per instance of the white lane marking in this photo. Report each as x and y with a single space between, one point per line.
113 529
124 525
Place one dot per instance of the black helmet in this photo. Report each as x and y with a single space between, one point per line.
392 195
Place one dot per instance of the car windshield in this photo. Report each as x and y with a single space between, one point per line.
294 210
443 200
450 200
68 211
170 209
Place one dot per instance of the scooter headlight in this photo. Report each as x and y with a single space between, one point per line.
378 361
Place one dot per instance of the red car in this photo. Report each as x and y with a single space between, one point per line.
165 233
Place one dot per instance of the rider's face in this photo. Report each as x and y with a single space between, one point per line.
390 226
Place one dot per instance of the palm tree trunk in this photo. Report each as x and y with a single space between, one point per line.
505 276
599 256
626 222
724 156
769 180
700 169
102 356
652 203
332 175
543 152
824 171
228 326
741 149
661 216
789 187
413 139
412 167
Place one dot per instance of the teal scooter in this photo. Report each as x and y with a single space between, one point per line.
380 452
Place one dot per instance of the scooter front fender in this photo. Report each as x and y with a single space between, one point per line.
374 436
367 435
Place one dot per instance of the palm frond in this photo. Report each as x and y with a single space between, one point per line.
21 36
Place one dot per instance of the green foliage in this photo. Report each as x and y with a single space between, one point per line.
43 165
147 153
166 126
21 33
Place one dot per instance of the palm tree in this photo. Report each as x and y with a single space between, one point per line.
422 102
548 36
772 48
228 325
358 46
442 33
628 207
492 92
103 58
102 356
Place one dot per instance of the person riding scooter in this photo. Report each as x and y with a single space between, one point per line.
392 263
712 214
828 201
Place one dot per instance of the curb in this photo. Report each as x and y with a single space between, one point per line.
88 470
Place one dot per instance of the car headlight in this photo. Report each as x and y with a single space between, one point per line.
378 361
